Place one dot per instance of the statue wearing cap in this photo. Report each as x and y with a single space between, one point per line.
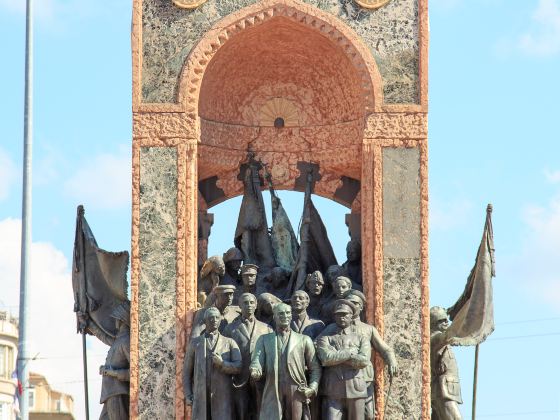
446 388
345 355
233 258
370 333
115 385
248 281
221 298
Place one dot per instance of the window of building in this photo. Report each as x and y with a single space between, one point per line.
3 362
31 398
58 406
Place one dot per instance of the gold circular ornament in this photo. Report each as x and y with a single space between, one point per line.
372 4
188 4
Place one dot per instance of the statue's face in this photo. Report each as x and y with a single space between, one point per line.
353 251
343 319
249 279
233 266
282 315
300 302
314 285
213 321
442 325
248 305
220 270
357 302
340 288
224 299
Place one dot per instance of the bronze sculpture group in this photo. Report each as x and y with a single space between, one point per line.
270 356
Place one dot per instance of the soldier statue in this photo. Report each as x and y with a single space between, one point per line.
301 321
353 264
284 357
372 335
314 286
115 385
210 361
246 330
211 274
222 299
233 258
446 389
248 281
345 355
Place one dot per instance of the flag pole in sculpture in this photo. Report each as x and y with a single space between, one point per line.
99 284
473 313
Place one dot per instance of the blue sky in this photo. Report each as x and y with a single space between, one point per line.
493 137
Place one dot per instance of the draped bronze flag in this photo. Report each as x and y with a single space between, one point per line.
473 313
98 280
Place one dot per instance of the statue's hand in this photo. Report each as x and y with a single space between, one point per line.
256 373
307 392
189 399
217 360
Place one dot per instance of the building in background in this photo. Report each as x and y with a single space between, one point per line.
8 355
44 402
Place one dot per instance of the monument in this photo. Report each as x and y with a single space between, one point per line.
240 97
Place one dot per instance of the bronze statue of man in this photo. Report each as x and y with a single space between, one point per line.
233 258
345 355
115 385
210 361
446 388
301 321
248 281
284 357
211 274
370 333
222 299
314 286
353 264
246 330
340 286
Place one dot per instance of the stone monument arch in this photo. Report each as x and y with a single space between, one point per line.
293 83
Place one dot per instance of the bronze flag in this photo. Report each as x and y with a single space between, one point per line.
98 280
473 313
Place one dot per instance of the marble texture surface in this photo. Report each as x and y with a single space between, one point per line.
402 284
401 202
403 331
169 33
157 296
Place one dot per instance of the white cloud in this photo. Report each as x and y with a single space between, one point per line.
539 265
449 215
552 176
52 335
103 182
8 174
543 37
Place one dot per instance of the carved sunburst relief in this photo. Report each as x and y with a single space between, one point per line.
279 112
188 4
372 4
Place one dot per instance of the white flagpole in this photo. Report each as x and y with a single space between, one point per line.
23 358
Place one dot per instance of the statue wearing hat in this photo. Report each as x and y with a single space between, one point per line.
248 281
222 299
345 355
115 384
370 333
233 258
446 388
210 361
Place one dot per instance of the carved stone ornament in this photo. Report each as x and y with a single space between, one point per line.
188 4
372 4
